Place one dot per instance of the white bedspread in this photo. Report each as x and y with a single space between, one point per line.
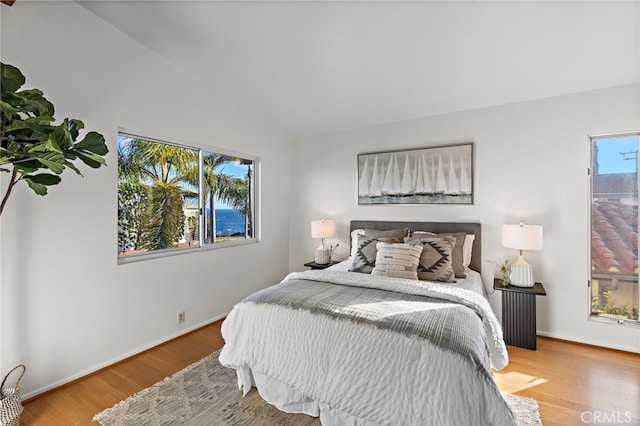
345 371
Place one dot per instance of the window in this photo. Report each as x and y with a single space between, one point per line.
173 198
614 227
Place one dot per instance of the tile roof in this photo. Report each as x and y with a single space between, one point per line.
615 184
614 237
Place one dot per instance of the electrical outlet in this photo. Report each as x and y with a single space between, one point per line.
180 317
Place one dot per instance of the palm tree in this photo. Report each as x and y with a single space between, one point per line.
162 168
221 186
164 217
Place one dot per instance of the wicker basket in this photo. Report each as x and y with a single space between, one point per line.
10 401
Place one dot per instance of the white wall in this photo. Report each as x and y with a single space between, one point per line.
67 307
531 164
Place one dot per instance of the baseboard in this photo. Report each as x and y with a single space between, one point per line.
587 342
81 375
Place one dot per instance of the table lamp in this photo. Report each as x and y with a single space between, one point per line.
322 229
522 237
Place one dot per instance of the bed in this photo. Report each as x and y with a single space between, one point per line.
366 343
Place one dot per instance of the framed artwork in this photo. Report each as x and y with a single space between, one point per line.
434 175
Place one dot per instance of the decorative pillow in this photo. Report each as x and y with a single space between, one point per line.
393 233
458 266
435 259
364 258
354 241
467 249
399 260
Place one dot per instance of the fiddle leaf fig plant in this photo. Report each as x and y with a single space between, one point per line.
34 149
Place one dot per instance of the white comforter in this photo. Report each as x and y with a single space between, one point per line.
345 371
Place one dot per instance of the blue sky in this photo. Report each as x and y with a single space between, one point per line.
609 154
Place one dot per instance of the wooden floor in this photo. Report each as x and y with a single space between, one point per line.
574 384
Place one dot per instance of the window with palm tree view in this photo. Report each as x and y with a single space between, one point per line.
614 227
173 197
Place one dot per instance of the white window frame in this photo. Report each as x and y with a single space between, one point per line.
254 194
590 316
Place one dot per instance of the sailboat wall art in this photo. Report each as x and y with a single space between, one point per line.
433 175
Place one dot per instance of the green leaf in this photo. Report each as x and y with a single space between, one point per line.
91 160
33 100
38 188
44 179
7 109
93 142
73 126
31 125
26 167
11 79
72 166
64 136
16 125
59 136
52 145
41 119
52 162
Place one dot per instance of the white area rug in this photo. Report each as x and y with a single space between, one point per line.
205 393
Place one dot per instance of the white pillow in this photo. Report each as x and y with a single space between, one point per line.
466 251
399 260
354 241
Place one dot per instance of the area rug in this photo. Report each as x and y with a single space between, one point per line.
206 393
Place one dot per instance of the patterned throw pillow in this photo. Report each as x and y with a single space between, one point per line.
364 259
457 254
398 260
435 260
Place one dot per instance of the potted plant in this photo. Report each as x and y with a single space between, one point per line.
503 271
34 149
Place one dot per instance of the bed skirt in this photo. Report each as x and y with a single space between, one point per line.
287 399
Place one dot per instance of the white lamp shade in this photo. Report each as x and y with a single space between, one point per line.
522 237
323 229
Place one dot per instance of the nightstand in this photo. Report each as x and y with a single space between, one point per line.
314 265
519 313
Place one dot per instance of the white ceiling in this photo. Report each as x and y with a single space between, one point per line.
310 68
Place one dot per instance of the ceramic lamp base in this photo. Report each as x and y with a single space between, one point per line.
521 273
322 255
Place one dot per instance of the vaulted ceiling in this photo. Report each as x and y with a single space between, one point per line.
310 68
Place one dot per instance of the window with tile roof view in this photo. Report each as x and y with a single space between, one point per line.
614 227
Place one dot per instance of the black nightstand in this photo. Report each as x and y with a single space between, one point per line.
314 265
519 313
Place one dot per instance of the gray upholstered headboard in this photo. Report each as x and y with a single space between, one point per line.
437 227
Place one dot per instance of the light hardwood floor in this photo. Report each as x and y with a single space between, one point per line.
574 384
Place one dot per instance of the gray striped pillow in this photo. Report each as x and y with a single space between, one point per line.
398 260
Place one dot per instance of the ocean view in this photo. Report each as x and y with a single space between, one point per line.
229 222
